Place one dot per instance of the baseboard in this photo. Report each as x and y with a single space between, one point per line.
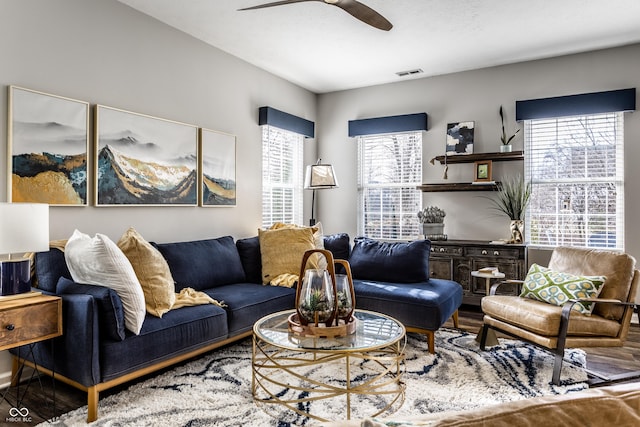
5 380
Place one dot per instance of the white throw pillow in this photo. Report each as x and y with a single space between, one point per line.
99 261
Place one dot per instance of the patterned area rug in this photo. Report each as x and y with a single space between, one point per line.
216 388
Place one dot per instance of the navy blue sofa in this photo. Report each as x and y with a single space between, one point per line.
96 352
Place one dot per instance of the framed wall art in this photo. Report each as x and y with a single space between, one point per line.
143 160
482 171
217 168
48 142
460 138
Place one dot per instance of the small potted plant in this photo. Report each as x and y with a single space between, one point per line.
432 220
506 141
513 196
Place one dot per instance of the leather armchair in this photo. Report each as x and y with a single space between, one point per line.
558 327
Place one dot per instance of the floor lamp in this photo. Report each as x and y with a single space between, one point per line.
318 177
24 227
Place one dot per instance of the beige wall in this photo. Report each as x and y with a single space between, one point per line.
473 95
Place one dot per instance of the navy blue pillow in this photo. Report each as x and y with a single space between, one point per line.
110 311
390 262
203 264
50 266
249 250
339 245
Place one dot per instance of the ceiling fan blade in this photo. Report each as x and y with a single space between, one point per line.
363 13
277 3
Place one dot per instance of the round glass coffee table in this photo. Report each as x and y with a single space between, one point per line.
313 376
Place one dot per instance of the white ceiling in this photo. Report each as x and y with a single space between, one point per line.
324 49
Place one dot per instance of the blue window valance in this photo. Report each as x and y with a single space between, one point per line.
389 124
280 119
574 105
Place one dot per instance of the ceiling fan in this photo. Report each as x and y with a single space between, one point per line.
352 7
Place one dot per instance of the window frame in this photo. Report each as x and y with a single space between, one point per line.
287 206
577 214
403 223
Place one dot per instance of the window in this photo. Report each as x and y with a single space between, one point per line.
282 157
576 169
389 170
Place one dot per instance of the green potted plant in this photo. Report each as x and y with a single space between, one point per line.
506 141
512 198
432 220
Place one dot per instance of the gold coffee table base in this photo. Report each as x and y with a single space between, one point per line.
375 371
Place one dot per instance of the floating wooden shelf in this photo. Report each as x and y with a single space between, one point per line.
457 186
470 158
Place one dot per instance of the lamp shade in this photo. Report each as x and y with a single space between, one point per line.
24 227
320 176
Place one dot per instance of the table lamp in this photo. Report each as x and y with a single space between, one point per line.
319 177
24 227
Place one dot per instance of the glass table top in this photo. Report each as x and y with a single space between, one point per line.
373 330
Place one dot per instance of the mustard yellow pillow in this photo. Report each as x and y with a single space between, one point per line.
151 270
282 249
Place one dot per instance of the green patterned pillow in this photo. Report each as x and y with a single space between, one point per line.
556 288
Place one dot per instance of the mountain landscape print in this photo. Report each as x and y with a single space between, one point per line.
48 143
143 160
218 168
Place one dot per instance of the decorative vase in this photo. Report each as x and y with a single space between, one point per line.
345 293
316 300
506 148
517 231
433 231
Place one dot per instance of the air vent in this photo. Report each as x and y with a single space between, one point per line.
409 72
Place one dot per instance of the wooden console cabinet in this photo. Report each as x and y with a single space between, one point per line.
456 259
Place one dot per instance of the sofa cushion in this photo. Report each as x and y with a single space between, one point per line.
390 262
110 311
98 261
177 332
554 287
50 266
542 318
248 302
152 271
203 264
423 305
249 250
339 245
282 250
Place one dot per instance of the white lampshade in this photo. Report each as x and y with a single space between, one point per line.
24 227
320 176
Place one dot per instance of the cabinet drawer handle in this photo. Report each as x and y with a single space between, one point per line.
496 253
484 252
10 327
442 249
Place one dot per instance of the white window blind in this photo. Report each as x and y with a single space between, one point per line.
389 170
576 169
282 170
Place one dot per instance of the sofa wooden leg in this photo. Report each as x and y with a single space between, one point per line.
431 340
455 319
92 403
483 336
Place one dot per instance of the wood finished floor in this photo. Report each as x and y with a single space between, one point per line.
610 361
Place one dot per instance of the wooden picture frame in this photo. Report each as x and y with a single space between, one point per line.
47 150
217 178
142 160
482 171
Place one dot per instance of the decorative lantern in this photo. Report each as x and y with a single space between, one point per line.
324 301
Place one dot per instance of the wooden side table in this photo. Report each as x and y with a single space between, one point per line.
24 320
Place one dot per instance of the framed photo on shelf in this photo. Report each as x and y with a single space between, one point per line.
48 142
460 138
482 171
